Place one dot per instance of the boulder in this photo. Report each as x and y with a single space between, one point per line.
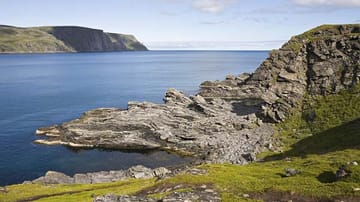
289 172
53 177
140 172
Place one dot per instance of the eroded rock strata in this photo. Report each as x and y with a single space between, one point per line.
217 130
230 120
135 172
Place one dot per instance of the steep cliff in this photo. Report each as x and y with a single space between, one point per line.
64 39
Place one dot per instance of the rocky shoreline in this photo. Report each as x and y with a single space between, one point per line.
227 121
216 131
134 172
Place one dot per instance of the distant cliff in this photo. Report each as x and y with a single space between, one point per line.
64 39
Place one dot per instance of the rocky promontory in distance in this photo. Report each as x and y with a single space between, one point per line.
53 39
227 121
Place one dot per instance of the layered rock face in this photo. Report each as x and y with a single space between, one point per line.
64 39
321 61
217 130
231 120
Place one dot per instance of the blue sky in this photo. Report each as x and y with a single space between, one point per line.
188 24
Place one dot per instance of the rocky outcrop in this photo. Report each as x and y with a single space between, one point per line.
228 121
64 39
135 172
321 61
201 195
216 130
167 193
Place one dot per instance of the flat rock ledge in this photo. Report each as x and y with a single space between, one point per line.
135 172
215 130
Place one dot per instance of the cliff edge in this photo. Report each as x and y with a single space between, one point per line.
64 39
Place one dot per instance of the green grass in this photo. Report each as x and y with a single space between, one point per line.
327 32
29 40
232 181
323 116
77 193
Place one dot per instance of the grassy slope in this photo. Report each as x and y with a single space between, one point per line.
23 40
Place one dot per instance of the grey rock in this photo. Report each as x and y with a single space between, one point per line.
342 172
82 179
289 172
3 190
199 194
196 171
354 163
124 198
53 177
137 172
101 177
140 172
192 124
161 172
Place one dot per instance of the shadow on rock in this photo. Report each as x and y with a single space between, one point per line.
246 106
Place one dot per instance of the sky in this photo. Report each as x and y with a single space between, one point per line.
188 24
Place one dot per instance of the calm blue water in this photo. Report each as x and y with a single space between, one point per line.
44 89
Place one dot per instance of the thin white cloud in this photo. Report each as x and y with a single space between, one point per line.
214 45
212 22
342 3
169 13
211 6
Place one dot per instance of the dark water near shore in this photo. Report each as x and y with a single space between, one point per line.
44 89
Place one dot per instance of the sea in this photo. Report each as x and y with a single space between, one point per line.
38 90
